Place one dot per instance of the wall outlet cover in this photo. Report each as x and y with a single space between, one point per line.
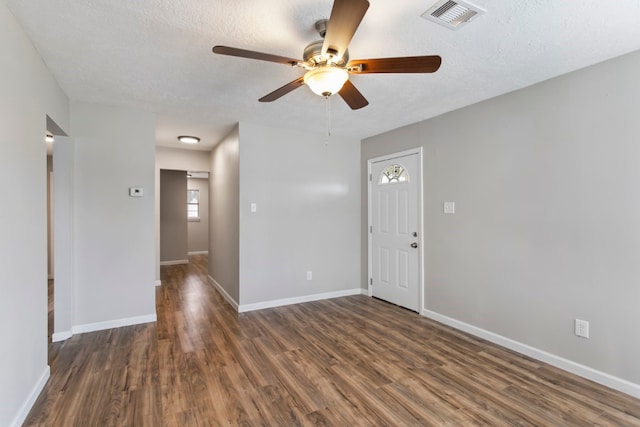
449 207
582 328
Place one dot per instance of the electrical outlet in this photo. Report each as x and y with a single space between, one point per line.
582 328
309 275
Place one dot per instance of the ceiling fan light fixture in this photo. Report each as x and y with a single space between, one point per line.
185 139
48 138
327 80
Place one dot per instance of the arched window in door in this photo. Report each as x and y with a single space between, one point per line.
393 174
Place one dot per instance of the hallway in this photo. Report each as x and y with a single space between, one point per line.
346 361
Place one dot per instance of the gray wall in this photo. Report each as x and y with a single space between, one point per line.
114 233
224 228
308 202
545 182
28 93
173 216
198 231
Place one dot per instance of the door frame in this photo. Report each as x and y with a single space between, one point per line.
418 151
63 201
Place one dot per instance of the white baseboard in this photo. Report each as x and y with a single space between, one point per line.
158 283
198 253
175 262
31 399
297 300
594 375
224 293
110 324
61 336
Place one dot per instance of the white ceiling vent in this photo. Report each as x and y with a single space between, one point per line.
452 14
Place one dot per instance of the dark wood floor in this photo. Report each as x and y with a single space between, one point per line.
352 361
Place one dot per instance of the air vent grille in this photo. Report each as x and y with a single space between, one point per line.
452 14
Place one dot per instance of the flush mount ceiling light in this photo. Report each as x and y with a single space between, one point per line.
188 139
48 138
326 80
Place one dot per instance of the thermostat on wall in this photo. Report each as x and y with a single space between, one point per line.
135 191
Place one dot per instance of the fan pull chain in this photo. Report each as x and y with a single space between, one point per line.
328 121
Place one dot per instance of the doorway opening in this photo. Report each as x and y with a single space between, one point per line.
58 227
50 253
184 215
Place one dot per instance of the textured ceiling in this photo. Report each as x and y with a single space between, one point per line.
156 55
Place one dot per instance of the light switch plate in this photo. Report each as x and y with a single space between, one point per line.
254 208
449 207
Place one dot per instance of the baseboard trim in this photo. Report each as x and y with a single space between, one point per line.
223 292
110 324
31 399
61 336
594 375
158 283
198 253
298 300
175 262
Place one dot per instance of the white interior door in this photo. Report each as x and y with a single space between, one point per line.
394 229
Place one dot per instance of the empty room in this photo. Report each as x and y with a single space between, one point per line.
320 212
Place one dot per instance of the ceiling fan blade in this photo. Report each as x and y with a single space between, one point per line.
406 64
282 90
352 96
345 18
243 53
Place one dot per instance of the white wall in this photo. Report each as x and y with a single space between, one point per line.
224 228
49 217
114 233
547 223
185 160
63 237
198 239
308 214
28 92
169 158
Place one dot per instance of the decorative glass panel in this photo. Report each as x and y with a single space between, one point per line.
393 174
193 204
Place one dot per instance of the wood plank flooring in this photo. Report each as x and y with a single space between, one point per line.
352 361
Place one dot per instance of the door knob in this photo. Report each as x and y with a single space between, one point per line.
414 245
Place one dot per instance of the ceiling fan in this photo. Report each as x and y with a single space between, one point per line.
327 61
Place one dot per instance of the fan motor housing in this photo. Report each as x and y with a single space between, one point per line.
313 55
